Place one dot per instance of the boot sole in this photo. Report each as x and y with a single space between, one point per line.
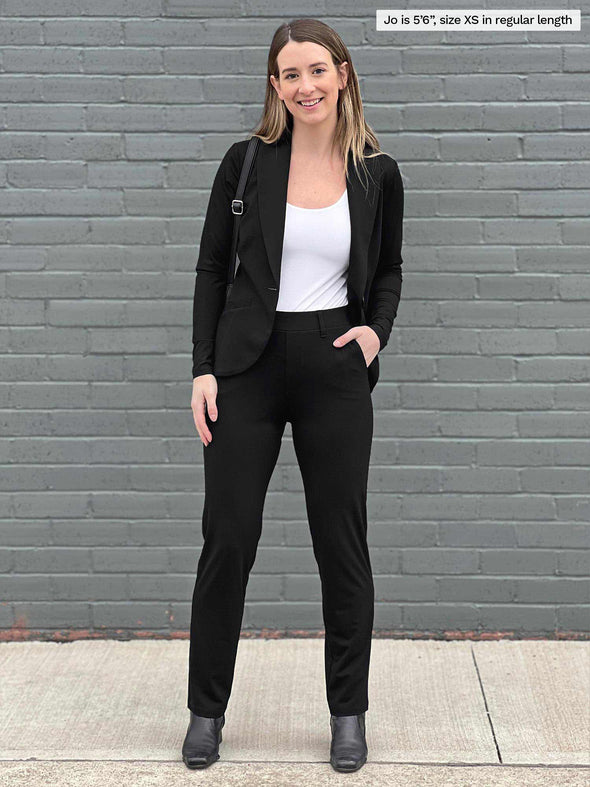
200 766
348 769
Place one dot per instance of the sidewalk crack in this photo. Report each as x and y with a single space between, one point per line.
485 702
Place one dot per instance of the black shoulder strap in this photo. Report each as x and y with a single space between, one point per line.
237 207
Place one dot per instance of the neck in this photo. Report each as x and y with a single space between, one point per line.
314 142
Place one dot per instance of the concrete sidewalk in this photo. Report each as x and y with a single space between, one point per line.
441 713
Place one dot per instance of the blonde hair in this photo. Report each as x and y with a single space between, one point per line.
352 130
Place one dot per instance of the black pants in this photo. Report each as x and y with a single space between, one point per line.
323 391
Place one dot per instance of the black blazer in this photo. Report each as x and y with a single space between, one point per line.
229 337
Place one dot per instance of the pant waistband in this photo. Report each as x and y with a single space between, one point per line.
308 320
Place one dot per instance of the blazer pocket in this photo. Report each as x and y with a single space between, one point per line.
240 303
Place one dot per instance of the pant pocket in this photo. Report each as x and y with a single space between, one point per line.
358 350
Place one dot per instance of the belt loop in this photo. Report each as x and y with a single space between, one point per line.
321 322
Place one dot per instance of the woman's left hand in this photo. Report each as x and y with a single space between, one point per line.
366 337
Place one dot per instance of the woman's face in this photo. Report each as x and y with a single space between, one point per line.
307 73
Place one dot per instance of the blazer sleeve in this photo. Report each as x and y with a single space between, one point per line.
213 262
386 287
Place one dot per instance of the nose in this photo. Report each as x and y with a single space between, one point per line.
305 87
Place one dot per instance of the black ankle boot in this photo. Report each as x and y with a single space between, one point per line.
201 745
348 751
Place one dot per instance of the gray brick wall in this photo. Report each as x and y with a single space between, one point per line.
114 117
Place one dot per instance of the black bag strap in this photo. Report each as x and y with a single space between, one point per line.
237 208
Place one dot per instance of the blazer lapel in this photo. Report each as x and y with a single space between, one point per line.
272 173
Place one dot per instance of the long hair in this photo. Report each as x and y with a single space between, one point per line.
352 130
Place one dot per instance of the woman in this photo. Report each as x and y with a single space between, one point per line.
312 304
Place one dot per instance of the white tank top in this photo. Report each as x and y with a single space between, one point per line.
316 253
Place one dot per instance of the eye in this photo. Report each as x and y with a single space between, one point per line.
321 70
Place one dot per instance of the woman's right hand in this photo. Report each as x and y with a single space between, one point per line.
204 394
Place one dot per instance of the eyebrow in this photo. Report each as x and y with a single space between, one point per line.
313 65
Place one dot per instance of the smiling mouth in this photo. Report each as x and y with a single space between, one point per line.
317 101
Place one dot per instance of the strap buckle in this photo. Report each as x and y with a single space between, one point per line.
235 204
